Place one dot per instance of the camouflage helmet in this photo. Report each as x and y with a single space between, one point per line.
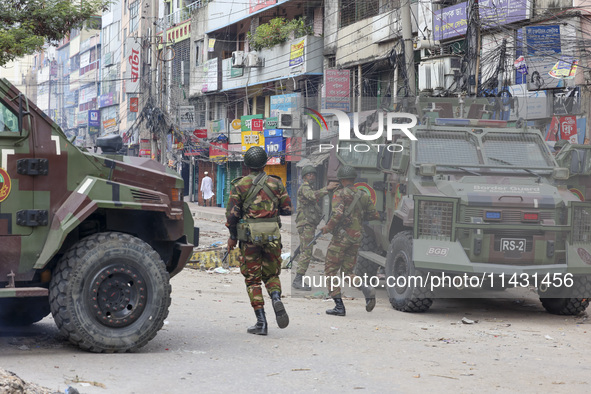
255 158
560 144
347 172
308 170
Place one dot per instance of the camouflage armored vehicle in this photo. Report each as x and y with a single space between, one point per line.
577 158
93 239
467 198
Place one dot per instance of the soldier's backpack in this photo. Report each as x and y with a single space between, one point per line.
263 230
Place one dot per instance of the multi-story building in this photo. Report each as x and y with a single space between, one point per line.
211 77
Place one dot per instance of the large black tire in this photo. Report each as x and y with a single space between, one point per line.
110 293
363 265
399 263
20 312
581 290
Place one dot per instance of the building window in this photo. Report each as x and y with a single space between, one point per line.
354 10
134 17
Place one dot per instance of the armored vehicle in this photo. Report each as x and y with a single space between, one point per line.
471 199
577 158
93 239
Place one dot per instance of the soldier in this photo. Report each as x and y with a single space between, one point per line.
350 208
558 145
254 206
308 218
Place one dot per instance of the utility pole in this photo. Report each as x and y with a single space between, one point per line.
473 35
153 69
409 54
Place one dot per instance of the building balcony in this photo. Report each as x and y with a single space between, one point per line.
181 15
301 56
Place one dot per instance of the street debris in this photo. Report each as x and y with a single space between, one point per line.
10 383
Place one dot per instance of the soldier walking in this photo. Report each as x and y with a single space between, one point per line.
350 208
307 219
252 217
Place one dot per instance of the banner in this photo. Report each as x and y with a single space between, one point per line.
296 55
563 128
134 103
132 75
187 118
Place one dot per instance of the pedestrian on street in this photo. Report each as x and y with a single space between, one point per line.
309 214
350 208
207 190
252 214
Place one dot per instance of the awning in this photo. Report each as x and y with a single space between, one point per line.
314 159
267 81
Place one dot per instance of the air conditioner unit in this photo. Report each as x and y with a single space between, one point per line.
288 120
252 59
438 73
238 59
425 75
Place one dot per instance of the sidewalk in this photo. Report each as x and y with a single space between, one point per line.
216 213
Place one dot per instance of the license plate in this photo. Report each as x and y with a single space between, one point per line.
512 245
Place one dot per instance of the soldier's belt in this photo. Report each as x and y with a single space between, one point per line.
260 220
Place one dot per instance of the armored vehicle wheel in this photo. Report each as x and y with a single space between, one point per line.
557 305
110 293
363 265
18 312
403 291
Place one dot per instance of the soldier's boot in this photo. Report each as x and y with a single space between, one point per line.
260 327
280 313
339 309
298 283
370 297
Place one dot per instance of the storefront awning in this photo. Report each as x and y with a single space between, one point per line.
314 159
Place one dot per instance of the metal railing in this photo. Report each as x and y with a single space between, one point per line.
181 15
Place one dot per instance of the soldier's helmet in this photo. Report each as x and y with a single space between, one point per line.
560 144
347 172
255 158
308 170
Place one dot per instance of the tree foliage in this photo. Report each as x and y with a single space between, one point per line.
26 25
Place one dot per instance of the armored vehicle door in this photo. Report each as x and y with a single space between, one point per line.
577 158
19 172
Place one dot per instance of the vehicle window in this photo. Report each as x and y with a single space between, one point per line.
446 147
519 149
579 161
8 120
358 154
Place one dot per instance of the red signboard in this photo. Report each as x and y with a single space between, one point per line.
257 124
563 128
218 149
293 149
134 103
200 133
256 5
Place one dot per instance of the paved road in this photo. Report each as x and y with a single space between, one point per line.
512 345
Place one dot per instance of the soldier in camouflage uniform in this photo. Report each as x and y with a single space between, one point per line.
252 214
308 218
350 208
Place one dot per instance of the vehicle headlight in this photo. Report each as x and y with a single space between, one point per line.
435 218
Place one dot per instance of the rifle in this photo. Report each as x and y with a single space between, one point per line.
315 238
299 248
225 258
295 255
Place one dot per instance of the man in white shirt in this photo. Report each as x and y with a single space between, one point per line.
207 190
